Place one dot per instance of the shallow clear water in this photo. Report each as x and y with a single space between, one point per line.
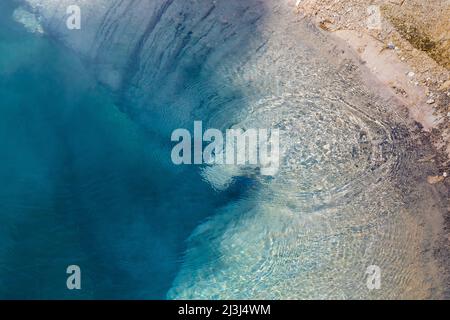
84 183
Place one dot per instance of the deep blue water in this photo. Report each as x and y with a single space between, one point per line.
80 183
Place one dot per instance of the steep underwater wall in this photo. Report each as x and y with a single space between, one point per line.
153 52
344 197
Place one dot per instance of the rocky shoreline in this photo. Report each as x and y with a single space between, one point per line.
394 50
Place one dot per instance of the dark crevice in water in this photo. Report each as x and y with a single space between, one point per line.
134 60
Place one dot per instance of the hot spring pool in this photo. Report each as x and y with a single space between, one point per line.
87 178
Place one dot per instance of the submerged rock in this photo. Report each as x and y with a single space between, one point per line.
29 20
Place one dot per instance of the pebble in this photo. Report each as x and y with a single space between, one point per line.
411 74
391 46
445 85
435 179
430 101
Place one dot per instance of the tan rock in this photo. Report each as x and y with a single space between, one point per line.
435 179
445 86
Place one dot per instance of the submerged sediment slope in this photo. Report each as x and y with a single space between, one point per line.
348 193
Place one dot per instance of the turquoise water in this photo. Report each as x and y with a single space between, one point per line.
80 183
